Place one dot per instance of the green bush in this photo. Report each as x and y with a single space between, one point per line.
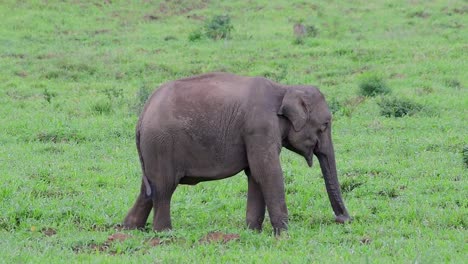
395 107
347 107
311 30
48 95
372 85
298 40
142 96
102 107
195 35
334 105
219 27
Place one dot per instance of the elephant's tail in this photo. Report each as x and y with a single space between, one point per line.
145 179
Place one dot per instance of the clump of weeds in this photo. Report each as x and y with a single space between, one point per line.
219 27
303 31
372 84
142 96
113 96
398 107
48 95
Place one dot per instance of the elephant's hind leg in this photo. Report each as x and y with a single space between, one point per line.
161 173
138 214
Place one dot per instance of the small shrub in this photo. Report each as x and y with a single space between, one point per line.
349 185
390 193
453 83
334 106
48 95
102 107
395 107
195 35
219 27
60 135
347 107
302 31
298 40
372 85
168 38
279 74
142 96
465 155
311 31
113 93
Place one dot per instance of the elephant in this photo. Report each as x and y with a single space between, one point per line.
215 125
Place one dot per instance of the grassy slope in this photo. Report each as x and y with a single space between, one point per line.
70 164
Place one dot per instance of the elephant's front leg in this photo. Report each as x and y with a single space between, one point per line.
264 164
255 204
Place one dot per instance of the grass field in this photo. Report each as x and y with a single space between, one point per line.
74 74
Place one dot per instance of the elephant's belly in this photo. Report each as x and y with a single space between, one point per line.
213 169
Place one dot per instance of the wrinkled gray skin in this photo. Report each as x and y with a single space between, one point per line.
212 126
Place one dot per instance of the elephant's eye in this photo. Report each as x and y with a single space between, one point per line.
324 127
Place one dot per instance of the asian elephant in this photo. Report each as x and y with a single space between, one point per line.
212 126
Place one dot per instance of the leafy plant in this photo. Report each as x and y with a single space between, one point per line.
60 135
219 27
102 107
396 107
48 95
350 185
298 40
371 84
142 96
195 35
113 93
334 105
347 107
311 31
453 83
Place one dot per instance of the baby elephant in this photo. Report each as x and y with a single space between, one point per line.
213 126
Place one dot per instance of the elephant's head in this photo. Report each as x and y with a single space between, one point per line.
310 134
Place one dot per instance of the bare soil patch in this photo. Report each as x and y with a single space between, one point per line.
218 237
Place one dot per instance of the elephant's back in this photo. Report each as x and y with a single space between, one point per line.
198 103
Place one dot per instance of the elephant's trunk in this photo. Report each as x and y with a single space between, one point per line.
326 156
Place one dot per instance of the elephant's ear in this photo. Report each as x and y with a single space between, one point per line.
294 108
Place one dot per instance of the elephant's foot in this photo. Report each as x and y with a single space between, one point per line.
279 225
136 219
137 216
342 219
255 225
133 223
162 215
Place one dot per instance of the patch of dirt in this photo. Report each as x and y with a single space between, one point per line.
102 247
21 74
151 17
118 237
196 17
48 231
100 31
218 237
46 56
154 242
15 55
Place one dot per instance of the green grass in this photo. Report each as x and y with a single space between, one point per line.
74 74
